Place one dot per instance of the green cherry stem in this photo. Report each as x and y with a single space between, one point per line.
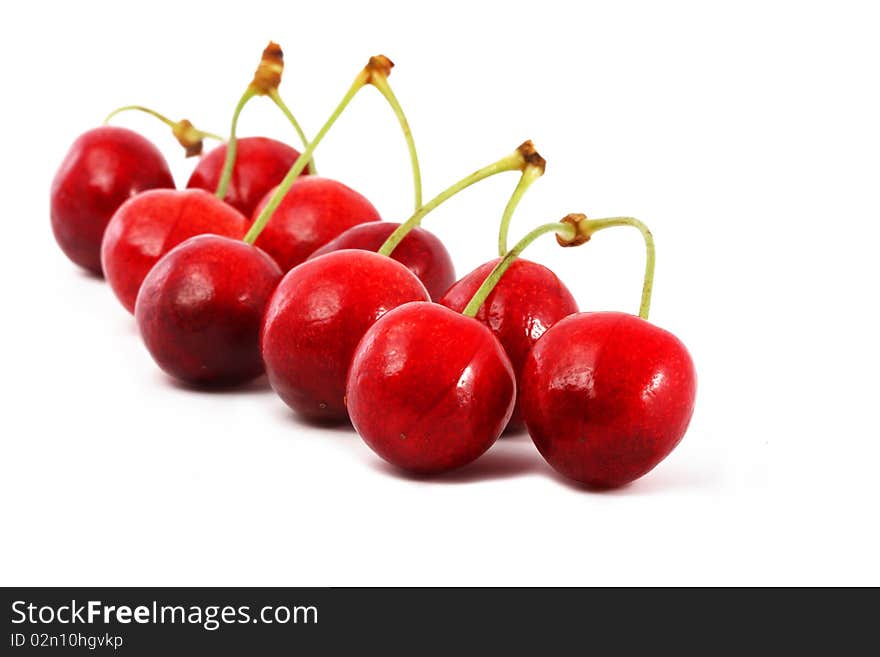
276 98
184 131
573 230
379 79
139 108
265 82
587 227
565 230
303 160
530 174
518 160
232 145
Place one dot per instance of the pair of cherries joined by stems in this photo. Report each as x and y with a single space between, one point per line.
605 396
349 332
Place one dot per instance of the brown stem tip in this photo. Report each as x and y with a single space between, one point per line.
531 156
378 65
189 137
580 236
267 77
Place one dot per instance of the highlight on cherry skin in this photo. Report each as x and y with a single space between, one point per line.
429 389
260 165
315 319
149 225
606 396
103 168
527 301
420 251
314 211
200 309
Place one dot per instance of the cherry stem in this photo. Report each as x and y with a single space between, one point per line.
516 161
184 131
164 119
380 81
529 175
276 98
587 227
266 79
232 144
303 161
140 108
565 230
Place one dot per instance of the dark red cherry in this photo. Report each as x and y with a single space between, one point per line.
149 225
317 316
421 251
607 396
527 301
260 164
429 389
200 309
103 168
313 212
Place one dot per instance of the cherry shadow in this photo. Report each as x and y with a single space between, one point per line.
498 463
258 386
653 483
513 433
336 426
89 275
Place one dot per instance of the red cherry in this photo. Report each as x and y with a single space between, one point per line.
200 308
421 251
527 301
151 224
317 316
607 396
429 389
103 168
260 164
314 211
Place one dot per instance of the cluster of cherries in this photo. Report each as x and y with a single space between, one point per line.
260 265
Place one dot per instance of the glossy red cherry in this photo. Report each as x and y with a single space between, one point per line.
429 389
527 301
148 226
260 164
317 316
314 211
421 251
200 309
607 396
103 168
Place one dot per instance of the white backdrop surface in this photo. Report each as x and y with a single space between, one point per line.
745 134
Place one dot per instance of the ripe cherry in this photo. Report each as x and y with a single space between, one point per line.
606 396
200 308
317 316
313 211
421 251
429 389
527 301
324 306
103 168
260 164
151 224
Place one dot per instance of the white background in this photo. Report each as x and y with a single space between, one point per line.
745 134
